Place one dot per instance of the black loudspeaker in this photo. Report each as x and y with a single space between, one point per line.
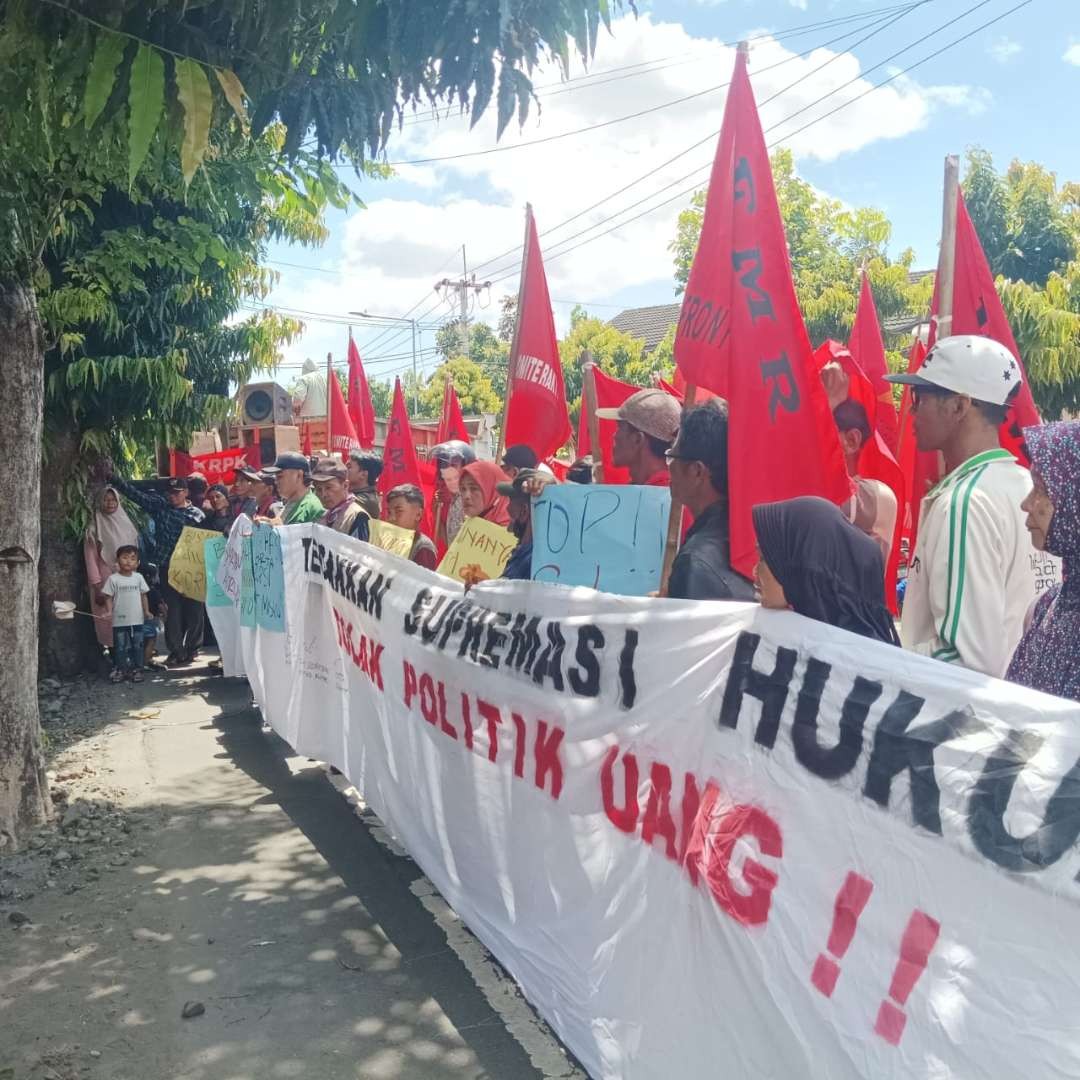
264 404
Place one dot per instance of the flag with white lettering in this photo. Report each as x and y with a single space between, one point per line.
536 415
343 433
742 336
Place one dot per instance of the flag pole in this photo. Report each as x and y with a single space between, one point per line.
329 406
947 258
588 401
517 333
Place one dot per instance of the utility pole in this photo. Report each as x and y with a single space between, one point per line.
463 287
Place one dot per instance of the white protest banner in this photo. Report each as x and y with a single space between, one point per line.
225 617
707 839
230 567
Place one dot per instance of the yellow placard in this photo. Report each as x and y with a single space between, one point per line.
392 538
480 552
187 567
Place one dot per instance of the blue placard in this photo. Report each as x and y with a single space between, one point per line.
607 536
268 570
213 551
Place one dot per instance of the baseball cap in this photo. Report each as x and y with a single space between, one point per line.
514 489
249 474
652 411
520 457
979 367
176 483
289 460
328 468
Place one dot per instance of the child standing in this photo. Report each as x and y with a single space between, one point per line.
126 590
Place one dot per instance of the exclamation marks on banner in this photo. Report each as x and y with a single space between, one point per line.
915 947
850 901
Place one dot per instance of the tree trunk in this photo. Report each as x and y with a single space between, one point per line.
66 647
24 794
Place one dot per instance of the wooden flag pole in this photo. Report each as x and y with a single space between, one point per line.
674 525
588 402
947 258
512 364
329 404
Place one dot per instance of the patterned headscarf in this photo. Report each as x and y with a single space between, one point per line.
1048 657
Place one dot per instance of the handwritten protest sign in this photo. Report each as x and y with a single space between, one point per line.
392 538
481 547
187 566
213 551
229 571
607 536
268 575
247 583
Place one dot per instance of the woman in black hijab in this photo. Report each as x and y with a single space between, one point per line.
817 563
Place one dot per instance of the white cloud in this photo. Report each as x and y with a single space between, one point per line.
394 249
1072 54
1004 49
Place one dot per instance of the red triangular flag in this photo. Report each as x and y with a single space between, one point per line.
361 410
741 335
342 433
868 351
977 310
451 422
876 460
400 464
305 446
537 415
610 394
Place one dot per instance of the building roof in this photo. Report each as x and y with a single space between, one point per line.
647 324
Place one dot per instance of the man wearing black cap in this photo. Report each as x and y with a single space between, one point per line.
518 457
170 514
293 474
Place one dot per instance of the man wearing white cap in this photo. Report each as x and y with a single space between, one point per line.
973 577
648 424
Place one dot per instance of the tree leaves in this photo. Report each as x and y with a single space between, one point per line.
234 93
146 97
193 90
99 82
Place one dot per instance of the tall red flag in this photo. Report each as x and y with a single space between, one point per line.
361 410
741 335
342 433
451 422
400 464
536 412
977 310
868 350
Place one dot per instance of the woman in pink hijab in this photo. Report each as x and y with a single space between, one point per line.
479 497
110 528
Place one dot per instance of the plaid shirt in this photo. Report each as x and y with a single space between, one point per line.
169 521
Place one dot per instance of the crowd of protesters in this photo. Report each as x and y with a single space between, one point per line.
990 584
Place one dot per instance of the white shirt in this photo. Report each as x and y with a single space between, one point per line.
975 573
126 591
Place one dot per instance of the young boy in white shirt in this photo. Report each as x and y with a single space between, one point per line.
128 607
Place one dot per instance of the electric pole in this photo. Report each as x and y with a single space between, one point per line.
463 287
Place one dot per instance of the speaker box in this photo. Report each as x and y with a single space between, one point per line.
264 404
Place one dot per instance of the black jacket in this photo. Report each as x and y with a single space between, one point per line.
702 569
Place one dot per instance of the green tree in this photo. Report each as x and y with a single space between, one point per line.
489 351
472 385
109 96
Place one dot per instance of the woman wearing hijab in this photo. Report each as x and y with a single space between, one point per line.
1048 656
450 458
110 528
479 494
817 563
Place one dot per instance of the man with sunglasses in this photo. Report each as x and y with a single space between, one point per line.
972 577
699 480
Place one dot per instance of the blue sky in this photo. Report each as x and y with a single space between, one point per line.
1012 88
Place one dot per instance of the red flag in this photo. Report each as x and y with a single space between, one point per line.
361 410
669 388
451 422
868 350
610 394
921 469
342 433
876 460
977 310
536 414
400 464
741 335
305 446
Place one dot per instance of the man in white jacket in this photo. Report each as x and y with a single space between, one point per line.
974 573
